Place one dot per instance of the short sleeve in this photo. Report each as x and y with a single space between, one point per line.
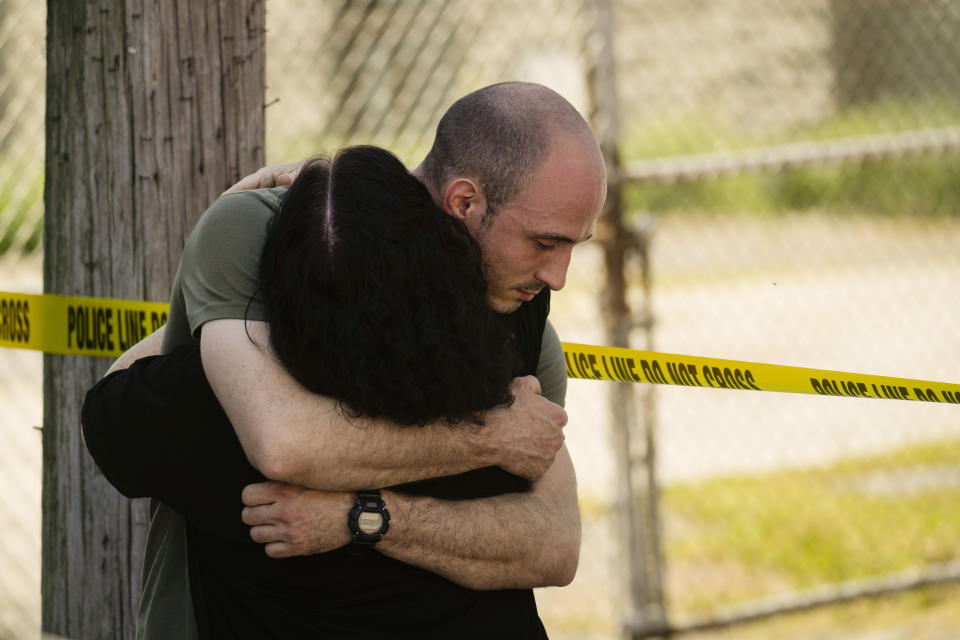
218 270
552 368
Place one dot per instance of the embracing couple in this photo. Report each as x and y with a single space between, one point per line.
355 426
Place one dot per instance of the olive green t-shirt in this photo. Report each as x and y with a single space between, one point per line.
216 280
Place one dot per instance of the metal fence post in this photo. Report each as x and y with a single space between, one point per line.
636 504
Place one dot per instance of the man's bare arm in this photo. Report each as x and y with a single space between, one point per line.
297 437
516 540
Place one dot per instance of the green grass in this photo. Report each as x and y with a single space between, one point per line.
924 186
689 132
929 613
859 518
928 185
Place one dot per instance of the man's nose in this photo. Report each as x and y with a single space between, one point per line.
553 273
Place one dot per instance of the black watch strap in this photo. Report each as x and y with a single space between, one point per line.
368 519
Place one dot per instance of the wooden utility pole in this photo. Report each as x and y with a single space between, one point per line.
636 506
153 108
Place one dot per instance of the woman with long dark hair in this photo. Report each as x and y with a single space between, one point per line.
376 296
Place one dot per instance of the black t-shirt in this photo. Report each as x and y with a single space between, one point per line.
156 429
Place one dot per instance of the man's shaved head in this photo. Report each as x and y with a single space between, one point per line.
500 136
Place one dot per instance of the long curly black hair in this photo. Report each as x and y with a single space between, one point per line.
376 296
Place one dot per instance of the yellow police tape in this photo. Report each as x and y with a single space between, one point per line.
108 327
629 365
76 325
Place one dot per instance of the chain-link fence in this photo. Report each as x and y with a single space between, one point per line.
793 166
798 165
21 210
800 161
21 125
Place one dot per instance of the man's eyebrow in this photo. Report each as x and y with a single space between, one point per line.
557 237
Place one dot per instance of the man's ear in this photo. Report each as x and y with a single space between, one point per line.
463 199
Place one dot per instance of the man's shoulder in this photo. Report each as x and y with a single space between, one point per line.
234 222
217 277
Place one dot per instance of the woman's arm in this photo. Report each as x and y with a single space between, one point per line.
149 346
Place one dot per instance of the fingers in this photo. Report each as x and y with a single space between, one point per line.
274 179
267 533
525 384
275 545
269 502
560 417
277 538
530 386
276 175
260 493
261 515
555 414
535 441
252 181
281 550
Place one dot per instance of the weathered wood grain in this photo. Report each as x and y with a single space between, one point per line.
153 108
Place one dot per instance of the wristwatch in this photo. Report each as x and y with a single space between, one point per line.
369 519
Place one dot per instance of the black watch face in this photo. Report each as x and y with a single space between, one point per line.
369 522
